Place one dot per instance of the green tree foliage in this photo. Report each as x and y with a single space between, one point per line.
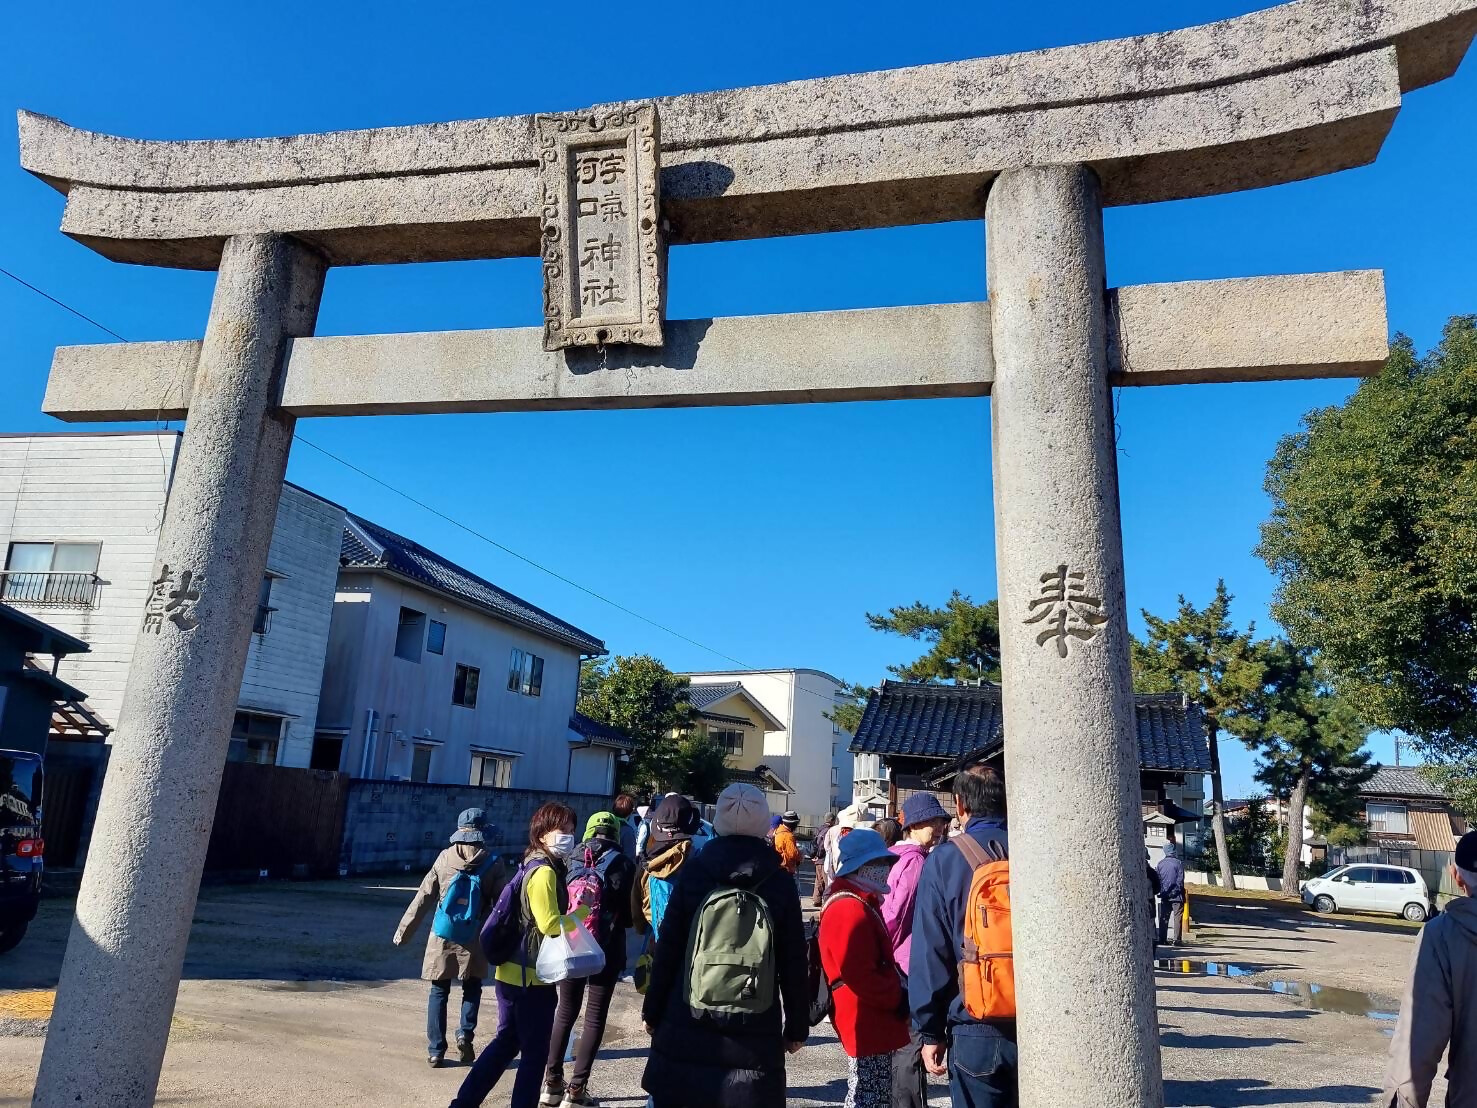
963 639
1200 654
848 716
646 700
1308 743
1373 537
700 766
1251 836
1458 778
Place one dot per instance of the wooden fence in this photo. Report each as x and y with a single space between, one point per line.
288 822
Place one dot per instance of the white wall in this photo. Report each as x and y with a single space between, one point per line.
363 673
284 667
802 752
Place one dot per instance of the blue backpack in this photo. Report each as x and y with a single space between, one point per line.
459 914
659 889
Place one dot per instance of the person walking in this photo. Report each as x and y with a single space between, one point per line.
600 878
1440 1001
728 993
624 808
452 950
1171 873
979 1056
869 1001
925 825
784 842
818 848
668 848
525 1005
890 830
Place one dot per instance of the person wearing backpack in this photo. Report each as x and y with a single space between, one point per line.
534 905
950 985
668 847
728 988
868 998
461 887
784 842
600 880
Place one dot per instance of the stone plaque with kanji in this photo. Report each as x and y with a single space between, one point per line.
602 248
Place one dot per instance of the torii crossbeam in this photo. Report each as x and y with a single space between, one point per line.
1036 143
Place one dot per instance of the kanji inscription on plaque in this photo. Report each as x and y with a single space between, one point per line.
602 247
1067 609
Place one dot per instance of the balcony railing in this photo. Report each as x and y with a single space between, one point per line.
45 589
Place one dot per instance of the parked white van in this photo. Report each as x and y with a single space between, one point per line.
1370 888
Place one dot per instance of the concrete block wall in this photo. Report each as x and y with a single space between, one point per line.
403 825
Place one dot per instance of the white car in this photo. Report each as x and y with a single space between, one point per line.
1365 887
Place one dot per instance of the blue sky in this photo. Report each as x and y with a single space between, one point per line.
762 532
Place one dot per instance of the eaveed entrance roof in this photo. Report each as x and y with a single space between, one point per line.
965 723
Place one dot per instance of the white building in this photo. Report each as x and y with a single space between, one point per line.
370 654
810 754
79 522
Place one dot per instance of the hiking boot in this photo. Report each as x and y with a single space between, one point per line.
576 1097
465 1052
435 1060
553 1093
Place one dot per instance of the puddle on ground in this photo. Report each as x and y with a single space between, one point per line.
330 986
1323 998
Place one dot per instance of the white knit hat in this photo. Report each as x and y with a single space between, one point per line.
742 810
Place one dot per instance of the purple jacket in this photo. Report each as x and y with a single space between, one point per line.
897 905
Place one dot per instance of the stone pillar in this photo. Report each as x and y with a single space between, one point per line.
117 992
1088 1029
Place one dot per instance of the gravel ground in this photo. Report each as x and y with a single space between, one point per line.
295 996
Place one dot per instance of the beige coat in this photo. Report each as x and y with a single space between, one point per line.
1439 1010
444 958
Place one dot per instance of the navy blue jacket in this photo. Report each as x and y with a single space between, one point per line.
1171 878
938 940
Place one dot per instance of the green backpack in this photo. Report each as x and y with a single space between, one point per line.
730 956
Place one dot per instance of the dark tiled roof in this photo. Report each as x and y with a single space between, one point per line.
700 696
600 733
367 545
761 776
951 722
1400 781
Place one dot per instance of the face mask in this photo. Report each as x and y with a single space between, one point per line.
559 843
873 877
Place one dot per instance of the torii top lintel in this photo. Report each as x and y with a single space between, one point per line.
1289 92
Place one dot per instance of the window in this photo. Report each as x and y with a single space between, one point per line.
436 638
1156 831
526 673
732 740
264 607
410 634
1360 873
492 771
1390 876
62 574
254 738
464 686
1388 818
420 763
834 781
328 751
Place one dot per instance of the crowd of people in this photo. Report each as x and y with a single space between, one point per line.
733 977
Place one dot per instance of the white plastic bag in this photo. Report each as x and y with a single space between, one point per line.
573 953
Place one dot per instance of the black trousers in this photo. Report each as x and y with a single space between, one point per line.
594 994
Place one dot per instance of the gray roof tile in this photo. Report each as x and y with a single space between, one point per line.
1400 781
700 696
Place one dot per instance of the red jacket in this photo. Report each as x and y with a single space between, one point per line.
870 1017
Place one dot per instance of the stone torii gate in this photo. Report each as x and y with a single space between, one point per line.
1035 143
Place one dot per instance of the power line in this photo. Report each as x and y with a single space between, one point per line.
61 304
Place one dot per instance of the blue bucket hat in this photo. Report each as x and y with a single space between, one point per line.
860 847
470 826
922 807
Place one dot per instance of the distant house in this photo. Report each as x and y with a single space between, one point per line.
1404 810
925 734
727 713
436 674
808 751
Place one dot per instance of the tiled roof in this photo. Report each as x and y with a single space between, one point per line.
950 722
602 734
700 696
1400 781
367 545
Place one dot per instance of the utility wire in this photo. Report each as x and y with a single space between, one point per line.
61 304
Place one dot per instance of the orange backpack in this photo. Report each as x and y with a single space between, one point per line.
987 964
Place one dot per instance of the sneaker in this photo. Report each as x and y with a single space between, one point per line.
465 1052
576 1097
553 1093
435 1060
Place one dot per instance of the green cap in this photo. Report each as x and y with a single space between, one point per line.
602 823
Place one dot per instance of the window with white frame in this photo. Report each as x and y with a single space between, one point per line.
493 771
464 686
525 673
254 738
1389 818
57 574
1156 831
732 740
